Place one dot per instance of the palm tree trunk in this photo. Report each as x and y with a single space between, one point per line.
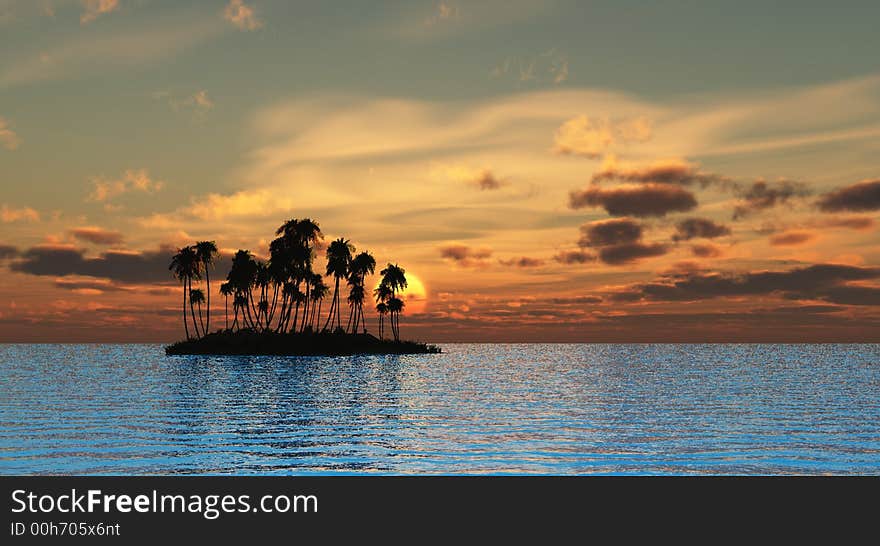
332 305
226 311
192 312
208 282
185 320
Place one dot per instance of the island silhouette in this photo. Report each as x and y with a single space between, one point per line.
277 302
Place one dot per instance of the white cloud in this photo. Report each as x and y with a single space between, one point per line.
241 15
8 138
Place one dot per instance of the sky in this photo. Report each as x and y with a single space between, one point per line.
559 171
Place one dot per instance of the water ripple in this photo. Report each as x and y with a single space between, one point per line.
550 409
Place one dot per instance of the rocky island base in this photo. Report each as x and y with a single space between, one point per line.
270 343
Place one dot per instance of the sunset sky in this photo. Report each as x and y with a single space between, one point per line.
549 171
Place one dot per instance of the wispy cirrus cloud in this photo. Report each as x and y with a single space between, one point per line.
111 48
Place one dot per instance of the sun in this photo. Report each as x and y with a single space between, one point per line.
414 295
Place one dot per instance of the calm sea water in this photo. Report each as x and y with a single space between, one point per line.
550 409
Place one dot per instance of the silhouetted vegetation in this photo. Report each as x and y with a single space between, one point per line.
279 301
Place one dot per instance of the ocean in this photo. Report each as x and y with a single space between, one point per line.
474 409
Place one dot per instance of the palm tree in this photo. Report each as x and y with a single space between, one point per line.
394 278
338 261
196 296
184 267
382 294
382 310
395 306
242 276
206 252
239 303
227 290
317 292
361 265
355 304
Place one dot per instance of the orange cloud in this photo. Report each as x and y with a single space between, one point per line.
8 138
24 214
97 235
241 15
592 138
92 9
132 180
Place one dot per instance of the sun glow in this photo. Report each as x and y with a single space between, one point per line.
415 295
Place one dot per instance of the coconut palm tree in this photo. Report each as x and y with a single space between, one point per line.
382 310
206 253
197 297
227 290
394 278
355 304
395 306
184 266
382 294
317 292
361 265
239 304
338 260
242 276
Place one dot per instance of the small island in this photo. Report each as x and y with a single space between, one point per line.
277 302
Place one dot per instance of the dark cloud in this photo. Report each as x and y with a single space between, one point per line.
646 200
852 295
97 235
630 252
8 251
117 265
791 238
574 257
610 232
706 251
576 300
763 195
466 256
523 261
853 222
693 228
821 281
486 180
862 196
625 297
663 172
619 241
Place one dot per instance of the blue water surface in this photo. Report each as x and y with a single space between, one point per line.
475 409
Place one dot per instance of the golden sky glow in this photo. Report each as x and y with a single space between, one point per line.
568 186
